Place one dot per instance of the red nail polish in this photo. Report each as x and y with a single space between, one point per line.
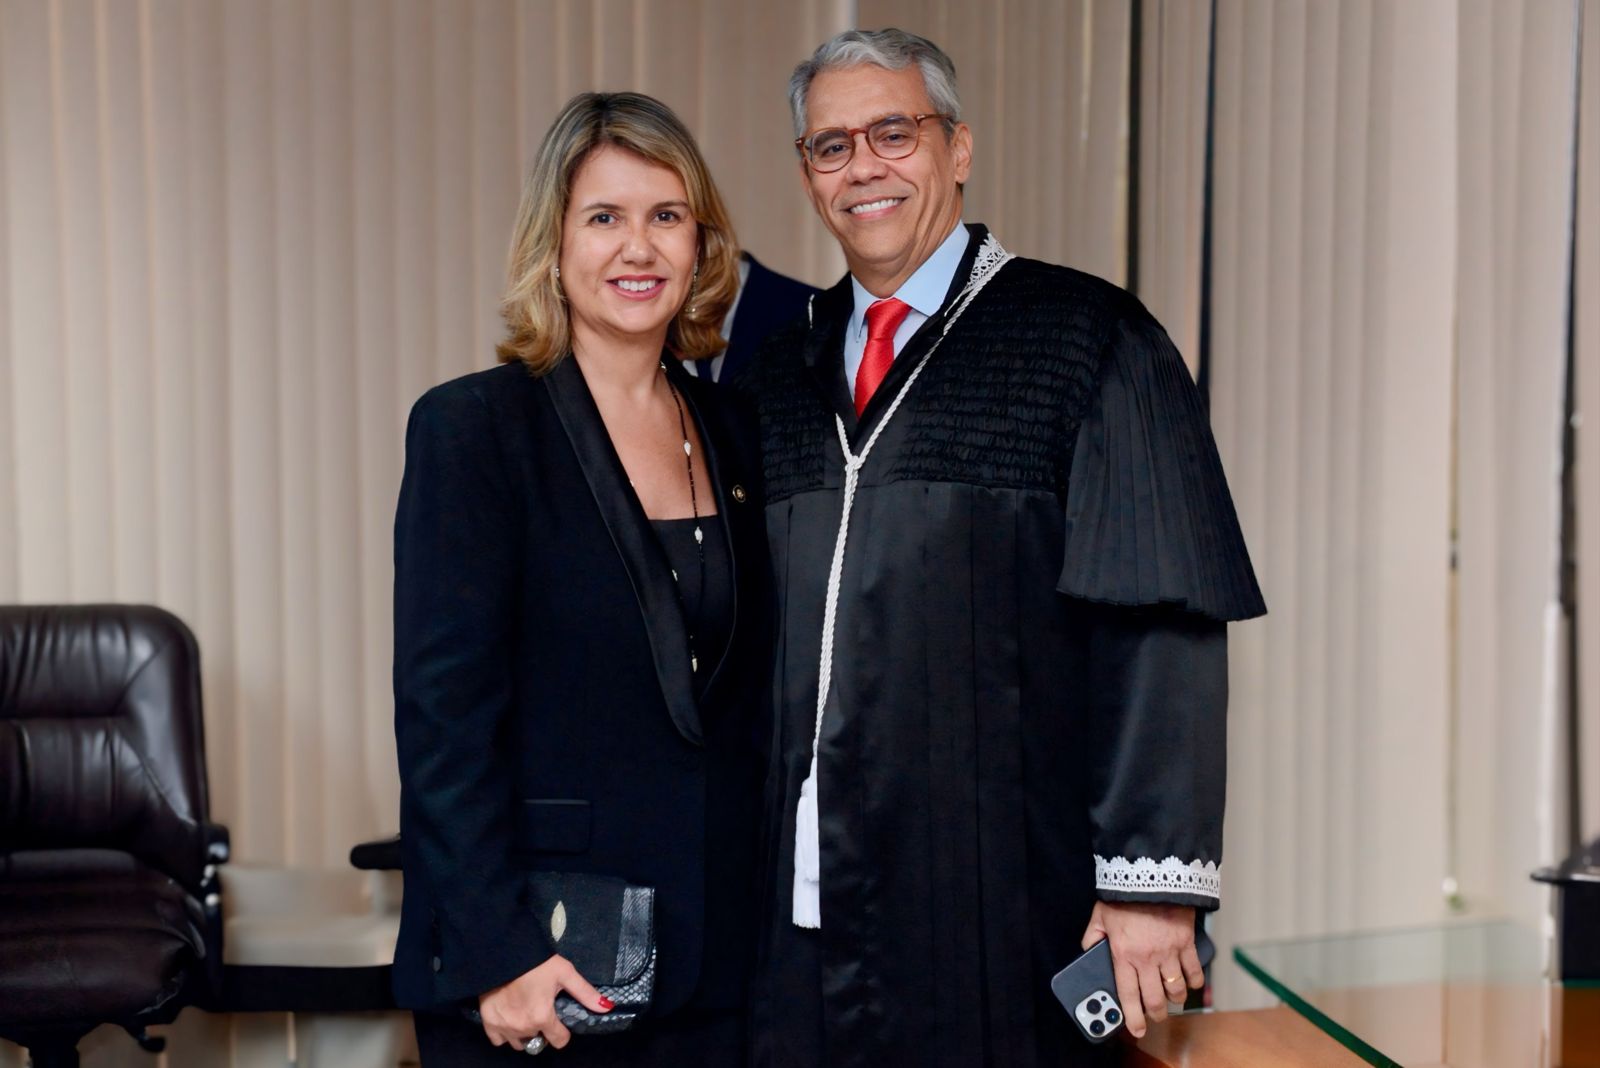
606 1003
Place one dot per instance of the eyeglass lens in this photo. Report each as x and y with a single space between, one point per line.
892 138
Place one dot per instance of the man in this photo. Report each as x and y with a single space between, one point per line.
766 301
1006 556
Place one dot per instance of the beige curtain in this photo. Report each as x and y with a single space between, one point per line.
1334 253
1044 86
1518 82
1174 65
1393 188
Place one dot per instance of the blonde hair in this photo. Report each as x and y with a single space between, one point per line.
539 332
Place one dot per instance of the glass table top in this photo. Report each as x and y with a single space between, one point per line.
1462 995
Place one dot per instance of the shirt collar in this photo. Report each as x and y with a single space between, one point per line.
926 288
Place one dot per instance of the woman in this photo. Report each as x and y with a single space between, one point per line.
578 547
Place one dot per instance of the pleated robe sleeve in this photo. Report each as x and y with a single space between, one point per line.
455 599
1156 564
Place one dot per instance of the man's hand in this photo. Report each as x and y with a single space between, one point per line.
526 1006
1152 954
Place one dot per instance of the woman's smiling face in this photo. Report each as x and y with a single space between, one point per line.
628 246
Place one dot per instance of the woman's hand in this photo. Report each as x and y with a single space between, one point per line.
526 1006
1153 955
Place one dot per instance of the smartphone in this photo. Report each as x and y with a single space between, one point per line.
1087 988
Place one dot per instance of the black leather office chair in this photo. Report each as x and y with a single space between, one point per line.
109 907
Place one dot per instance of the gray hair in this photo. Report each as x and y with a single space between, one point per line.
890 49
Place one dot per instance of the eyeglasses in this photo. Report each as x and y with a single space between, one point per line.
895 137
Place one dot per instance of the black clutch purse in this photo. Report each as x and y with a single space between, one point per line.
606 928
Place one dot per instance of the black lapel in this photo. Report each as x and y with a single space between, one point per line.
918 344
636 543
734 357
824 350
711 443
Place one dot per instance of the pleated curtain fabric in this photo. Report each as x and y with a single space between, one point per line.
1174 69
1518 87
1330 393
1393 202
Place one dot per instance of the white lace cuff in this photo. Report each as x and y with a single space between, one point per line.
1142 875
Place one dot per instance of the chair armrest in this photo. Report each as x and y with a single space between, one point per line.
218 844
218 848
380 854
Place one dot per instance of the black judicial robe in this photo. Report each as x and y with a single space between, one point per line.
1029 670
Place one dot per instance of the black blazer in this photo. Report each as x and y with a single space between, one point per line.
768 301
544 710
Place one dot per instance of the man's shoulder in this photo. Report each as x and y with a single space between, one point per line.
730 407
1035 311
1054 289
771 285
777 368
780 359
787 343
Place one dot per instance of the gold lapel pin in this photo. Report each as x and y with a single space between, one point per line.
739 494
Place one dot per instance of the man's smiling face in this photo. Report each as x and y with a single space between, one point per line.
888 214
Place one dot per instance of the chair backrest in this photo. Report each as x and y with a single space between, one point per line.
101 740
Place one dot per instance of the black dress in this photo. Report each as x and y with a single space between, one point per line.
1029 677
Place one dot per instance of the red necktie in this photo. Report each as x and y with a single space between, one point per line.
883 319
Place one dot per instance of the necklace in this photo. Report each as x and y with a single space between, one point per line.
694 506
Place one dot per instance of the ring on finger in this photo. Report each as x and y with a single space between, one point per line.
1172 980
534 1045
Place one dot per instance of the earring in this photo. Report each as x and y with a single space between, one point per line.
558 271
694 284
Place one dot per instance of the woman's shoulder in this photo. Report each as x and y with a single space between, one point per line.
478 394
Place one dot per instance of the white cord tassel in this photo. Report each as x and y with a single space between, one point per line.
807 910
807 823
807 861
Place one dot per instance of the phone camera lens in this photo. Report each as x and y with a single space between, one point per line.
1113 1017
1097 1028
1093 1006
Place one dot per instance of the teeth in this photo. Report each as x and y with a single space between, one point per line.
637 287
876 205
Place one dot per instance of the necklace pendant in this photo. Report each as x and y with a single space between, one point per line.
687 451
699 535
694 663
